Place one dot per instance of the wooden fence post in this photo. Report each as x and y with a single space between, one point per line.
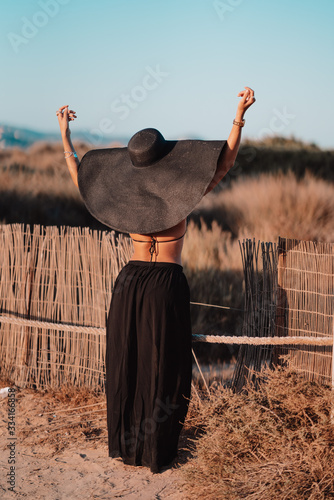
280 322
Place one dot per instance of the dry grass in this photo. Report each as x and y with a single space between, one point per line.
210 248
270 442
36 187
39 169
273 205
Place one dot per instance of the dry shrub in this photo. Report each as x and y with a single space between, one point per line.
36 188
210 248
270 205
271 442
283 155
39 170
41 156
47 157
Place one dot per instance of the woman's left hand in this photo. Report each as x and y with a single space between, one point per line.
65 116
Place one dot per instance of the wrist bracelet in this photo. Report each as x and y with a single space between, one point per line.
239 124
70 153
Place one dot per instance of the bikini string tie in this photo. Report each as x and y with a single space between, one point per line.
153 247
154 241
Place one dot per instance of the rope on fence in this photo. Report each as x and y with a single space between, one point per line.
218 339
319 341
78 328
51 326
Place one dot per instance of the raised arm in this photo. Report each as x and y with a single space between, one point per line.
229 153
66 115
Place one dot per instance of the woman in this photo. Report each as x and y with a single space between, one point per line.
147 190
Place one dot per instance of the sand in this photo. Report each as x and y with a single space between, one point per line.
60 452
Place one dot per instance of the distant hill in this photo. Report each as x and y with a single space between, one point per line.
11 136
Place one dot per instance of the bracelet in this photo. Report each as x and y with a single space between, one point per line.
70 153
239 124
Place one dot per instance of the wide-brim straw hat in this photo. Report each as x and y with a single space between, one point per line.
149 186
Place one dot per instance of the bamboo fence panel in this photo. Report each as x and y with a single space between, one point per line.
306 304
260 274
58 275
289 292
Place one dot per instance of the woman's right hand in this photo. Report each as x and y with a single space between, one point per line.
65 116
247 99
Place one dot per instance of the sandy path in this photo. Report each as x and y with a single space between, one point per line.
70 461
83 473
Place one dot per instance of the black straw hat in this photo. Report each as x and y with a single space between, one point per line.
149 186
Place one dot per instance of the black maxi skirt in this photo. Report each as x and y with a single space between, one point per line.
148 363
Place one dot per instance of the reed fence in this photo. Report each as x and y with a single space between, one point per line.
62 276
56 285
289 296
305 304
260 275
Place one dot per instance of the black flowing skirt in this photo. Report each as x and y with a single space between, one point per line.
148 363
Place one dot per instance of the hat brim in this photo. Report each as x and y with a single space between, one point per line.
149 199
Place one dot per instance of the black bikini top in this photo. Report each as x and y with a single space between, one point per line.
154 242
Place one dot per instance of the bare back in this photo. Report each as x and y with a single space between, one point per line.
168 244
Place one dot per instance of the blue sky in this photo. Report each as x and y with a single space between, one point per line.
178 66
